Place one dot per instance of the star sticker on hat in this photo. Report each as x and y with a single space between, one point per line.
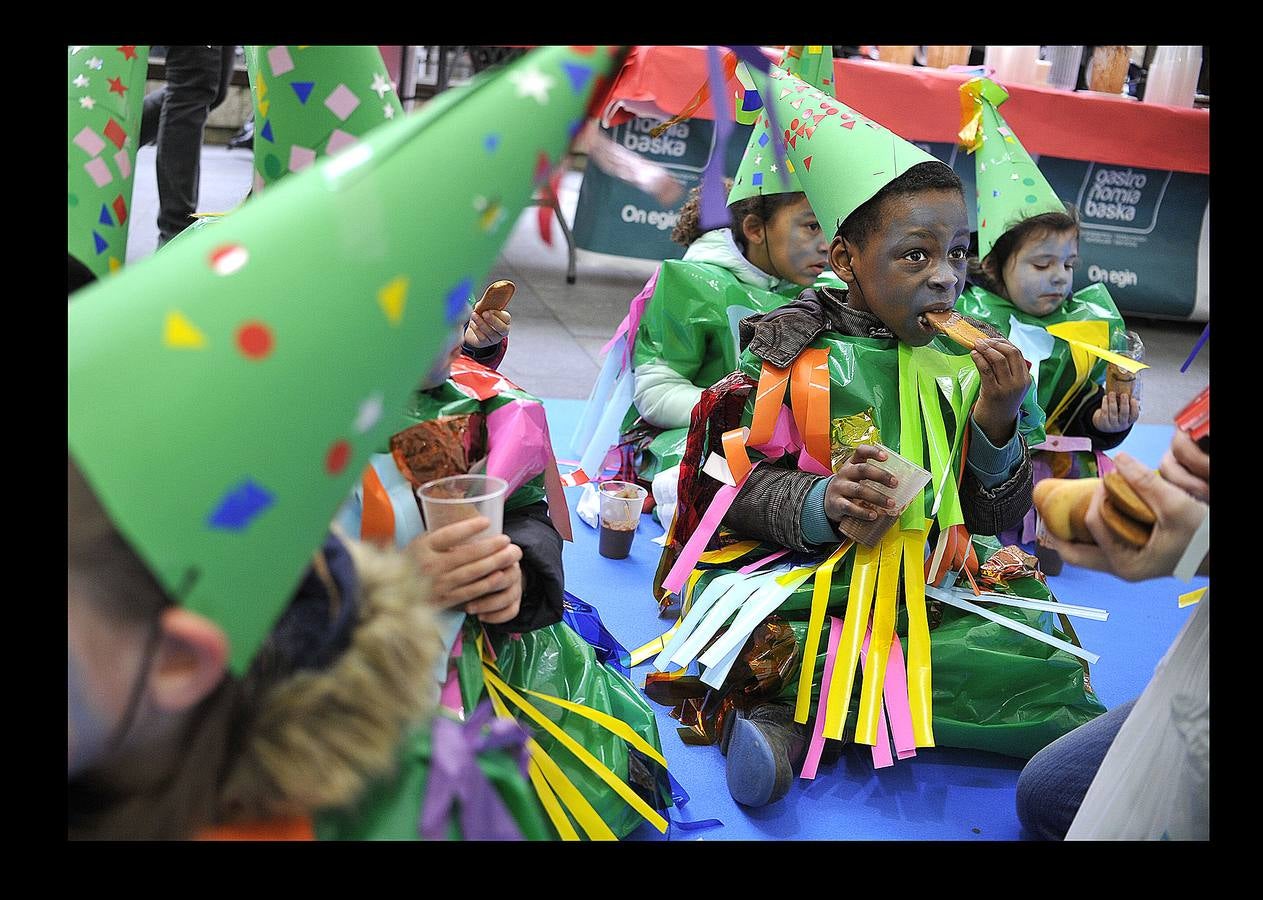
532 82
117 86
388 111
87 102
380 86
95 63
81 80
128 51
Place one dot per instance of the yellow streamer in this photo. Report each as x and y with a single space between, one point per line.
582 753
574 801
654 647
863 580
1193 597
729 553
547 798
819 602
687 603
879 646
608 722
920 695
552 806
1087 340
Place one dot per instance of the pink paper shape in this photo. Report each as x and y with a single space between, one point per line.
300 158
342 102
1063 444
517 441
89 141
99 172
338 140
816 745
450 697
280 60
123 160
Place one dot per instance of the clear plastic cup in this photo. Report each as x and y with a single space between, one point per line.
621 503
450 500
1118 380
910 480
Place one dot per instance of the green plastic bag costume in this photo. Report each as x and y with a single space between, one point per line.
552 661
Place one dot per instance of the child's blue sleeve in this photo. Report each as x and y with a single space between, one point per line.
991 464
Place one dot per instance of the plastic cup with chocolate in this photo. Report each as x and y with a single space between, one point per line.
1119 380
621 503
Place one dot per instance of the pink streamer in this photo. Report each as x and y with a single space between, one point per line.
700 538
758 564
897 705
882 757
631 322
1104 465
816 745
519 448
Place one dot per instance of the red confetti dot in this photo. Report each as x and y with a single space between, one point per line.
255 340
585 50
337 458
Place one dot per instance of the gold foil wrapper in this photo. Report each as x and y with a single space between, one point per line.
849 432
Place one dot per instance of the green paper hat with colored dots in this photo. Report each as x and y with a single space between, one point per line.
312 102
224 396
1010 186
841 158
106 90
757 173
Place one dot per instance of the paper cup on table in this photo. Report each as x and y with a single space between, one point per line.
621 503
1107 68
910 480
451 500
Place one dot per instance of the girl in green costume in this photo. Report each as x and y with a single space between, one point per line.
1028 247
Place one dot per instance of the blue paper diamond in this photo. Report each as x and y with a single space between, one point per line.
756 179
105 215
763 139
578 75
751 101
458 299
240 506
491 142
101 246
995 193
303 89
267 131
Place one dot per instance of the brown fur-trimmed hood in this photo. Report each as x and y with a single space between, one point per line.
321 737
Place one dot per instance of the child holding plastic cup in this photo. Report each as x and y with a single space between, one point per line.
1028 247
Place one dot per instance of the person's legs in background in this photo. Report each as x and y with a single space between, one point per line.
1052 786
175 117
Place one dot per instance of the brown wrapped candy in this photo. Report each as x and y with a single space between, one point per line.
1006 564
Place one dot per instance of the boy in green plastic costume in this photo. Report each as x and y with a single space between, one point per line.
901 250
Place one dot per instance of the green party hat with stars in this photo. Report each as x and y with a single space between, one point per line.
106 92
1010 186
840 157
757 173
224 394
313 101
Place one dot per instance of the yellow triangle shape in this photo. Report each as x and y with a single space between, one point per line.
264 106
115 265
180 332
393 298
263 88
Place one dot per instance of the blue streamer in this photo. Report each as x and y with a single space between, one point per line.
586 622
1196 348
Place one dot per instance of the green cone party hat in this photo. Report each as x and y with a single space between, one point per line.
311 102
105 96
840 158
757 173
1010 186
225 394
